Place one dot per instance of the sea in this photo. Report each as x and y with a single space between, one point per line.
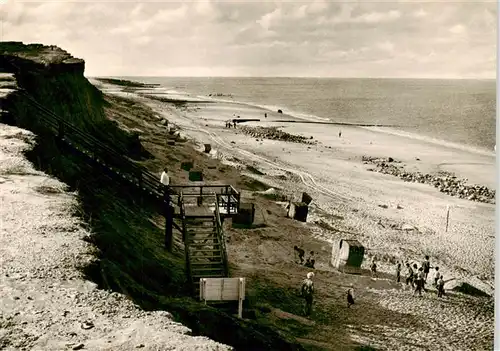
461 112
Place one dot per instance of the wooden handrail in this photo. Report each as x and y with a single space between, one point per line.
220 236
185 239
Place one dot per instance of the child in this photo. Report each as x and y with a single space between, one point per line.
373 268
350 297
440 286
310 261
437 274
398 272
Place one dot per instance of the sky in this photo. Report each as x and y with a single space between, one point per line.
315 38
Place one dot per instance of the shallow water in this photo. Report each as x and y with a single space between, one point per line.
459 111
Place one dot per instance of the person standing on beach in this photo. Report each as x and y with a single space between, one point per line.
419 282
307 290
437 275
373 268
409 275
340 133
440 286
426 265
265 115
398 272
350 297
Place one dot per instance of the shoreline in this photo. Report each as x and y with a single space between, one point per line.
301 117
351 187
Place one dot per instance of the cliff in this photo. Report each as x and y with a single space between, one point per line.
126 233
54 79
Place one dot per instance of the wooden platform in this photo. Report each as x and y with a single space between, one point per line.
196 211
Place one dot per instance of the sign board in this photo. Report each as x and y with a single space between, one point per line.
223 289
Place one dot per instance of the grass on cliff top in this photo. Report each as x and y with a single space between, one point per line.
126 83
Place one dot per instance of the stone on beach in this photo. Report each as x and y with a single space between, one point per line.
273 133
444 182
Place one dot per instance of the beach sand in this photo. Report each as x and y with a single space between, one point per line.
342 183
346 196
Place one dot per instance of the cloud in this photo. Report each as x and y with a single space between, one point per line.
457 29
317 37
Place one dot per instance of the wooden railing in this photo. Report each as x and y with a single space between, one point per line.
221 237
186 239
116 161
227 196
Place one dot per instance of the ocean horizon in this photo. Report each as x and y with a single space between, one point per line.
458 111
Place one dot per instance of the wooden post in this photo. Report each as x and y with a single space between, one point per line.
60 130
168 220
201 196
447 216
221 288
203 284
241 291
140 179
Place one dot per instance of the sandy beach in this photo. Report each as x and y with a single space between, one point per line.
376 209
333 173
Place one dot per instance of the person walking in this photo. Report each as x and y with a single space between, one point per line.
373 268
398 272
307 290
164 178
419 282
300 254
350 296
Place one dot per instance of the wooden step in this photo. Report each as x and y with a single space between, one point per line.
200 233
205 258
208 238
206 263
199 270
212 250
204 244
205 225
201 220
197 276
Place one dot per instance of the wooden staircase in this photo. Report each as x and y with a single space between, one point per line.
200 226
204 244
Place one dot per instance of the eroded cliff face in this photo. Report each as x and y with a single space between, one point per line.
51 78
